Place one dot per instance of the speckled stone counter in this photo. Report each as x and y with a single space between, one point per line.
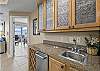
92 64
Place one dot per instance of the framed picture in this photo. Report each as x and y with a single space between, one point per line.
35 27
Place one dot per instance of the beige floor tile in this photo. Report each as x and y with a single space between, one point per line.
24 67
19 63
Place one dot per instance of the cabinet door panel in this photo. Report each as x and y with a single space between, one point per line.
73 69
85 13
55 65
41 17
32 60
49 5
62 14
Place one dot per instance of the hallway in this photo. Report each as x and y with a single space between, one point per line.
21 50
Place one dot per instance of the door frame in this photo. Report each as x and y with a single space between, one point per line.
12 34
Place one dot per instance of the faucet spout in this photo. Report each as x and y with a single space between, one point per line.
75 48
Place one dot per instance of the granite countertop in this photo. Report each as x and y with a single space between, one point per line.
55 52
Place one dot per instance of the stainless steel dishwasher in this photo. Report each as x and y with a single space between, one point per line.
41 61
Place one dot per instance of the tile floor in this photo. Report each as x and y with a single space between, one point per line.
20 51
18 63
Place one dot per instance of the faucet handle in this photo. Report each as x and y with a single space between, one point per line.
72 49
74 40
75 49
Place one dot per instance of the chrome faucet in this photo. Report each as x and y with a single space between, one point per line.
75 48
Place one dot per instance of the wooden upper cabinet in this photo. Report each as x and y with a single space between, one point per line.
85 13
62 14
49 14
40 16
55 65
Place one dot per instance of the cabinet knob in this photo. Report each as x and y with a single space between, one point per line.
73 27
62 67
69 27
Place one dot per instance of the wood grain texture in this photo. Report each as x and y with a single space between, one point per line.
32 60
74 30
55 65
98 12
73 69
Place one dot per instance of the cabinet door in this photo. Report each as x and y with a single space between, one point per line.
85 13
32 60
49 14
55 65
62 14
73 69
40 11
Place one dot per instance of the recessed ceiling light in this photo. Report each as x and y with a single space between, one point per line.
3 1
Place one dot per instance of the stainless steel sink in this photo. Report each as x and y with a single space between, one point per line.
74 56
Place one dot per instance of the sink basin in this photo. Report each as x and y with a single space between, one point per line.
74 56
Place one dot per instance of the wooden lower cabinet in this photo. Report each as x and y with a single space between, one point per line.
73 69
55 65
32 60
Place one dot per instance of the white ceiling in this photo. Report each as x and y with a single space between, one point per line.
19 5
3 1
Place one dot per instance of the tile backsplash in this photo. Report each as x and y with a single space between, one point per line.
69 36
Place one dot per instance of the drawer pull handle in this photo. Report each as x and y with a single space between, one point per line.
62 67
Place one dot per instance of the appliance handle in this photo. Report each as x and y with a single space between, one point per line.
41 56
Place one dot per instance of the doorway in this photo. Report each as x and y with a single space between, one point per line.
20 39
20 32
21 36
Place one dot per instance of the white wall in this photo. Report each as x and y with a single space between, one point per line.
7 31
5 18
34 39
